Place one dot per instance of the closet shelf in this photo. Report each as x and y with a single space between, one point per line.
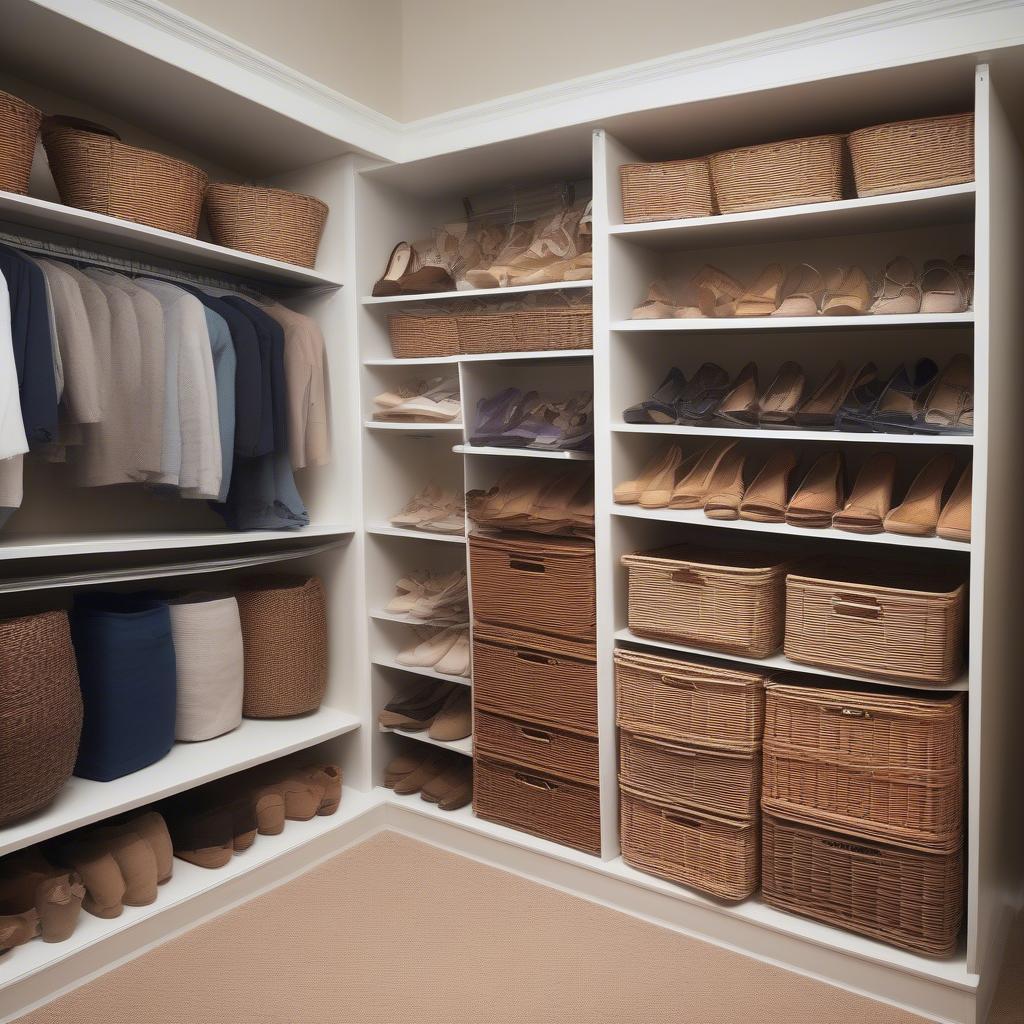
703 325
476 293
413 428
386 530
487 357
380 615
531 453
429 673
459 746
81 801
831 436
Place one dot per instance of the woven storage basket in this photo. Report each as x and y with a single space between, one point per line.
284 633
423 336
267 222
543 805
912 630
925 153
909 899
791 173
19 127
40 712
95 171
723 782
716 855
535 747
693 702
671 190
542 585
730 601
883 766
541 685
543 329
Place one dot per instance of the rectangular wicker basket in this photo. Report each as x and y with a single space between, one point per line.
886 767
729 601
423 335
670 190
906 898
534 747
537 329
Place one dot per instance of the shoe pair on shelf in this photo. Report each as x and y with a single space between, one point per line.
559 502
438 598
434 510
512 419
423 401
443 709
439 778
444 650
37 898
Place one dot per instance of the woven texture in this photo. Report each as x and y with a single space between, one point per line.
284 633
535 747
929 152
909 899
19 127
415 336
40 712
540 329
268 222
671 190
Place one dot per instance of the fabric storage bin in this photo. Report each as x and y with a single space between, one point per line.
284 636
669 190
542 804
904 897
726 782
844 617
40 712
208 650
535 747
19 128
716 855
883 766
540 329
928 152
542 585
126 665
730 601
423 335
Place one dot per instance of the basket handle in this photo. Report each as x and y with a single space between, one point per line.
686 575
852 848
679 682
537 735
79 124
851 608
682 819
650 741
847 712
537 659
534 782
522 565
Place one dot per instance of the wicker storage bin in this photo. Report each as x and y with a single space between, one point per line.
692 702
670 190
423 335
906 898
925 153
541 685
267 222
837 617
542 585
791 173
883 766
543 805
284 635
730 601
724 782
716 855
541 329
40 712
19 128
95 171
535 747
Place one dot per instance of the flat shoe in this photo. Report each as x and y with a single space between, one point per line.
432 765
400 767
692 489
455 720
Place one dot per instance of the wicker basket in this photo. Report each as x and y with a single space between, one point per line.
268 222
423 335
839 617
729 601
672 190
535 747
95 171
540 329
926 153
701 703
791 173
906 898
882 766
40 712
19 128
284 633
716 855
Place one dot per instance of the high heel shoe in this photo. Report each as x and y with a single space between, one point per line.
766 498
397 265
778 405
822 408
900 292
943 289
820 496
949 408
848 292
629 491
871 498
702 395
801 292
725 489
692 490
661 406
659 494
762 298
740 403
955 521
918 515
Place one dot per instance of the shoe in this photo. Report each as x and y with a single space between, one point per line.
455 719
387 400
725 490
765 500
94 864
429 767
692 489
660 407
202 833
855 411
17 929
450 518
47 898
268 805
871 498
401 766
949 408
777 407
136 860
660 467
944 289
496 415
151 827
429 651
762 298
702 395
326 780
716 294
455 662
398 263
442 598
460 795
659 305
553 508
822 408
964 266
437 788
955 521
419 508
848 292
820 496
659 494
801 292
902 401
900 292
516 242
416 710
564 254
439 404
740 406
918 515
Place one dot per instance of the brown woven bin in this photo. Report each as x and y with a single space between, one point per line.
284 634
423 335
19 128
671 190
539 329
929 152
268 222
535 747
909 899
40 712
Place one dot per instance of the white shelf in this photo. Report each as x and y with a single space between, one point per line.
428 673
413 428
831 436
383 616
530 453
459 746
81 801
386 530
487 357
476 293
796 323
780 663
139 239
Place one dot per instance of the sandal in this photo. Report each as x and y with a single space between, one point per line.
918 515
766 498
762 298
871 498
848 292
820 496
900 292
777 407
955 521
692 489
950 405
716 294
944 289
659 304
801 292
661 406
740 403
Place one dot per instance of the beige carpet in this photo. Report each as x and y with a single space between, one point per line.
397 932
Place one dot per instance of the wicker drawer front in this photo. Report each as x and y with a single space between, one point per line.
547 586
429 336
526 330
909 899
528 683
543 805
715 855
671 190
689 701
734 606
720 781
885 767
536 748
887 632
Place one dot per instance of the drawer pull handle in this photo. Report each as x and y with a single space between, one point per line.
537 659
680 819
687 576
524 566
534 782
853 848
839 709
650 741
537 735
849 608
679 682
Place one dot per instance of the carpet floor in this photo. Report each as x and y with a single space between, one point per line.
396 930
